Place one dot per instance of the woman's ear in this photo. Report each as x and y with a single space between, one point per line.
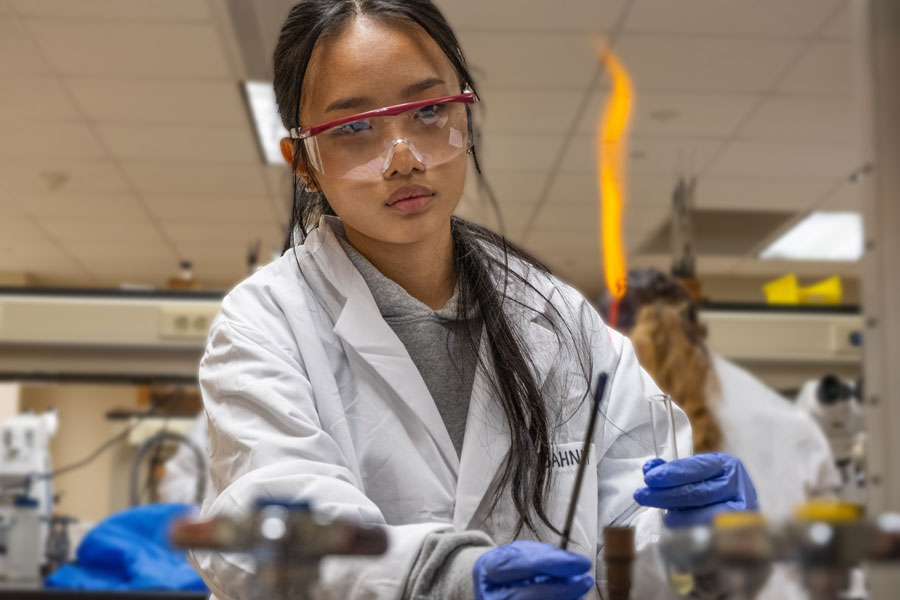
287 151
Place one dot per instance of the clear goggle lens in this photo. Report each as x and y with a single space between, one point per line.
365 149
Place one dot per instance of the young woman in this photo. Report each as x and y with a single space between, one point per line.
406 368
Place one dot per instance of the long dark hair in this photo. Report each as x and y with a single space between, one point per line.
481 256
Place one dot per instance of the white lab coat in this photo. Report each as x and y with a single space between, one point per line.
783 450
311 396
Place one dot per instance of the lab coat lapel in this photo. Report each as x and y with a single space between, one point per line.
360 325
487 439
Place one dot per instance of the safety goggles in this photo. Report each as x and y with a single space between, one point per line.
362 147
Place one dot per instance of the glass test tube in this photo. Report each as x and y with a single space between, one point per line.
662 419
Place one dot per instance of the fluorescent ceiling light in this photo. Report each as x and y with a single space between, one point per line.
828 236
269 130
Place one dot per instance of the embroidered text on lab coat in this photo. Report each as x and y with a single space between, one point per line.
561 459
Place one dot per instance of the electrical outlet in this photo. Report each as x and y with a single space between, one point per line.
185 322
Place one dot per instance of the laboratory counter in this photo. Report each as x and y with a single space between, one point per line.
35 589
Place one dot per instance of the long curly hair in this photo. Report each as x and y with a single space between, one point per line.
670 343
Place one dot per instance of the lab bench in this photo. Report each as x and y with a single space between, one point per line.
35 590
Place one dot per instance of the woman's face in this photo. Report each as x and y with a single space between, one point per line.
371 64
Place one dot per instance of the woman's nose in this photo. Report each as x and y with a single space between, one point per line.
402 158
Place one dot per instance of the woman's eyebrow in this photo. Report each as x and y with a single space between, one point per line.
358 101
421 86
345 103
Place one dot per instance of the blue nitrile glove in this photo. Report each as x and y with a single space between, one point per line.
526 570
697 488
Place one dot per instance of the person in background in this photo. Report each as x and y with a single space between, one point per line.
730 410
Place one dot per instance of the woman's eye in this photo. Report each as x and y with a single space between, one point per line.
353 127
431 111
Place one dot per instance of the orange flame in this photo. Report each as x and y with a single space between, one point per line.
612 131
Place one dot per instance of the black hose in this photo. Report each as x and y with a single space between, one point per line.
159 438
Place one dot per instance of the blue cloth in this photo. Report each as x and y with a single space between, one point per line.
697 488
130 551
527 570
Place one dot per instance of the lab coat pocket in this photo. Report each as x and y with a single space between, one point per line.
564 460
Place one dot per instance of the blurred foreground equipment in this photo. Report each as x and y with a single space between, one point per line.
287 541
829 541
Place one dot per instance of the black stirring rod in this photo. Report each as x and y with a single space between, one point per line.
585 452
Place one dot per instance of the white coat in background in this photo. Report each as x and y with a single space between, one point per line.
783 450
179 484
311 396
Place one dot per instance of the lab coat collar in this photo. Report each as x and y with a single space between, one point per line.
360 325
358 322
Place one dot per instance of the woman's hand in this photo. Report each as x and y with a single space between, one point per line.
695 489
526 570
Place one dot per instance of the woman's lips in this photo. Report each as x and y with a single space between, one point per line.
412 205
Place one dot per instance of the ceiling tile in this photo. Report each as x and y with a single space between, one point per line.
102 231
677 114
527 111
180 178
38 258
207 208
514 188
696 65
43 139
162 10
824 68
140 270
841 24
643 191
9 208
191 233
523 152
475 212
21 230
81 205
731 18
517 15
786 159
646 156
650 191
18 53
35 98
530 60
63 177
760 193
180 143
574 218
106 252
803 118
221 252
132 49
159 101
847 196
